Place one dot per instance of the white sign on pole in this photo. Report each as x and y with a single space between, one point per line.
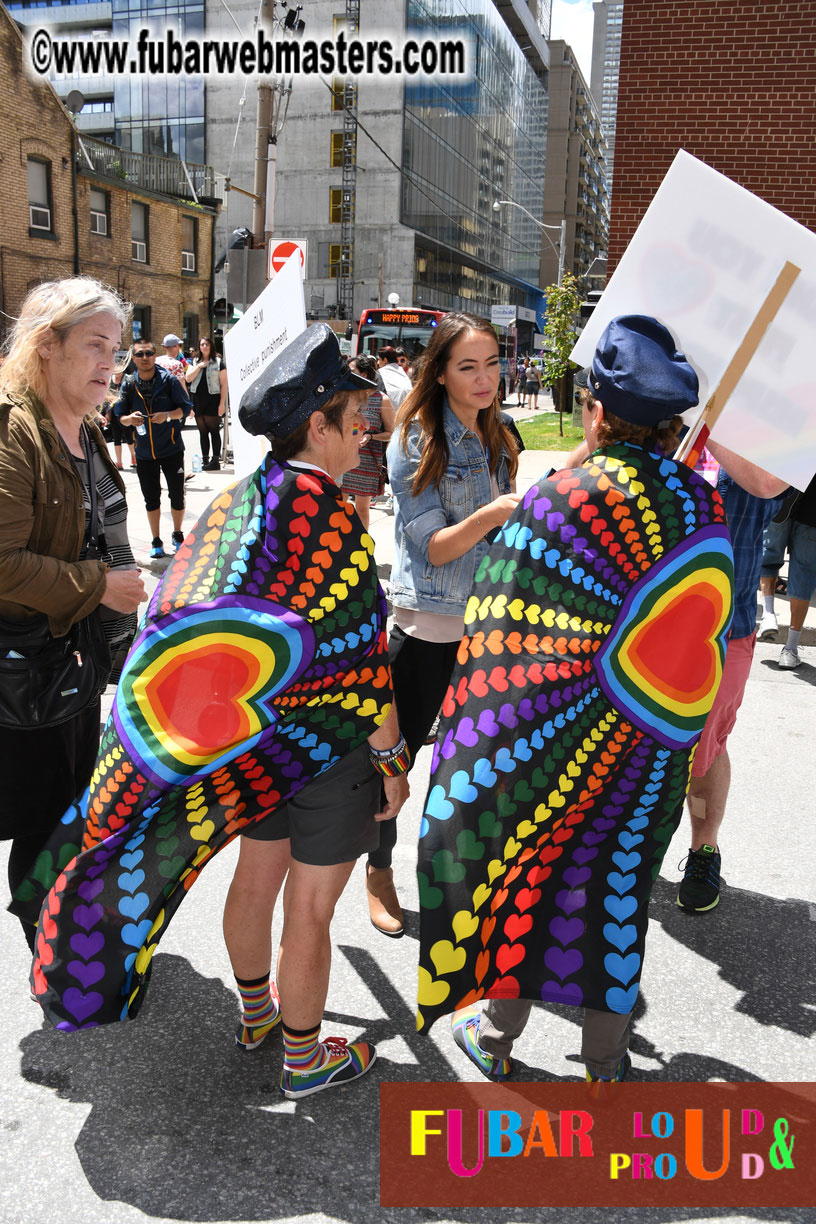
281 252
703 261
502 316
273 320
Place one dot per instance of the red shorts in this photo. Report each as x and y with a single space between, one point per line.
720 722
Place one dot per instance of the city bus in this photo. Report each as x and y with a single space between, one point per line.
408 327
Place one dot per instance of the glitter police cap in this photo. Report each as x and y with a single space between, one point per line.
638 373
299 381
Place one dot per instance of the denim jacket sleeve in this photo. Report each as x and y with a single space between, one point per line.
422 516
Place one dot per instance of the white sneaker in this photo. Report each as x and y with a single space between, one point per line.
789 657
768 627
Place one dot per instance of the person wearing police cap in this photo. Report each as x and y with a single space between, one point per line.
594 645
256 701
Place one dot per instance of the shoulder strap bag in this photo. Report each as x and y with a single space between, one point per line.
45 680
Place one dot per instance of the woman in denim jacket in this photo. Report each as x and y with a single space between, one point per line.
451 464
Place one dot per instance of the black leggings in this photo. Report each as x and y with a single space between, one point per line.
209 427
149 470
43 771
421 673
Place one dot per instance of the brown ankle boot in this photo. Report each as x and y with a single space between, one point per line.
383 904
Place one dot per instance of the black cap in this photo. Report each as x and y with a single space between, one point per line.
300 380
639 375
581 377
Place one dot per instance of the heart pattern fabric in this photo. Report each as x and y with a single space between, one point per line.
594 644
262 660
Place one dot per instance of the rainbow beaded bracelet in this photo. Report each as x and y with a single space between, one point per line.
392 761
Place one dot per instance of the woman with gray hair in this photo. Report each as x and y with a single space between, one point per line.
59 561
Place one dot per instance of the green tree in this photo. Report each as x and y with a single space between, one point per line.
563 304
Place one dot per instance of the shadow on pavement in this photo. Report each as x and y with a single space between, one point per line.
184 1126
764 946
805 672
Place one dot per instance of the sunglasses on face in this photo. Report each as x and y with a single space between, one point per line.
144 353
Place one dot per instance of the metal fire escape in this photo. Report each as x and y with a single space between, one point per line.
345 277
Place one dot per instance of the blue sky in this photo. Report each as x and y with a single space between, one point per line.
572 20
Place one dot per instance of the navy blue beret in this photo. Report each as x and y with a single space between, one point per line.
638 373
300 380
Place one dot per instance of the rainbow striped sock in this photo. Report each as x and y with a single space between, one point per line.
302 1050
259 1000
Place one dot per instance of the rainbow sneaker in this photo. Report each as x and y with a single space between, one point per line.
620 1073
465 1029
341 1064
249 1036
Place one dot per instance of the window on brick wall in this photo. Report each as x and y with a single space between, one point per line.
100 212
189 244
139 233
141 323
40 211
189 330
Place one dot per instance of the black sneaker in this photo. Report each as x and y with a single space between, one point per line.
178 540
700 887
157 548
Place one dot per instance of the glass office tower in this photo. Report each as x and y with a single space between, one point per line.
466 145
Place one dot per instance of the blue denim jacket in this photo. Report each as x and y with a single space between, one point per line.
415 583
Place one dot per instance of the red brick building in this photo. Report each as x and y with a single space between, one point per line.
731 81
72 205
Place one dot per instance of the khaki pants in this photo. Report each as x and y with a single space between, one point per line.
605 1034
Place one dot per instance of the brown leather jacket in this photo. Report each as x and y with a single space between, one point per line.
42 519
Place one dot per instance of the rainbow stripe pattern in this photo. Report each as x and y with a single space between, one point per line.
594 645
261 661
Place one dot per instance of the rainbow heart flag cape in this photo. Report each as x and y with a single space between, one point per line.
262 660
594 645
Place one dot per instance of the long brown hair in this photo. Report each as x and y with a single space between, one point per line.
424 405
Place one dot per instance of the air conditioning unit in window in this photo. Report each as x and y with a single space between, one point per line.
188 261
39 217
138 251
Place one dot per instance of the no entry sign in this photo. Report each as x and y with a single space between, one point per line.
279 252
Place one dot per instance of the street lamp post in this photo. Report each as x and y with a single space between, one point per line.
562 245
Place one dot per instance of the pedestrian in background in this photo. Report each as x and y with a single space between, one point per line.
206 378
173 360
155 403
367 480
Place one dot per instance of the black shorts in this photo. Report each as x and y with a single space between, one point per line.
331 820
148 471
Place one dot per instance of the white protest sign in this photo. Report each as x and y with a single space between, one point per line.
703 261
273 320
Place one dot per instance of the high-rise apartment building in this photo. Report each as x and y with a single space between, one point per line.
606 45
575 183
391 181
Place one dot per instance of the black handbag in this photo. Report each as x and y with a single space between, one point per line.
46 680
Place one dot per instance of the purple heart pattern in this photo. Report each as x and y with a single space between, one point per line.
594 642
261 661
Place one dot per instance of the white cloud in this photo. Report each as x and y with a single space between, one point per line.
573 21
